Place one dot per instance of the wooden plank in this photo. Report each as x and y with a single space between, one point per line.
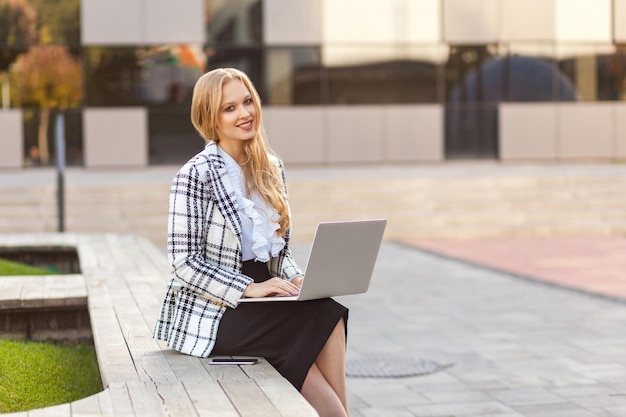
32 292
145 399
75 289
106 403
208 397
261 370
123 254
62 410
87 257
146 352
17 414
175 400
10 293
286 398
279 391
248 398
116 364
146 300
156 262
88 406
56 292
120 400
185 367
141 348
103 257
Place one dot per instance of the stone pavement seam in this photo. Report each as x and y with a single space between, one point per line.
513 274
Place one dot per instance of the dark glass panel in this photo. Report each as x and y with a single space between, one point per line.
357 74
73 137
401 81
596 71
293 76
471 130
570 68
234 21
112 76
473 85
246 59
514 78
470 75
168 73
612 75
125 76
172 139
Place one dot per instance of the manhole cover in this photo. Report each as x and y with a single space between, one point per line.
391 366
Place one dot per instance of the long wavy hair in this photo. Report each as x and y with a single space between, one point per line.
260 173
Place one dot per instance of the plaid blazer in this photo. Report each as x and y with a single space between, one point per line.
204 249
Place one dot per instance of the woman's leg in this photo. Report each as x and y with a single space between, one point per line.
328 373
321 395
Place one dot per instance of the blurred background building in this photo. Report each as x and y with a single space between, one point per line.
343 81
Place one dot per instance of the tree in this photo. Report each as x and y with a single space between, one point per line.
46 77
58 21
18 30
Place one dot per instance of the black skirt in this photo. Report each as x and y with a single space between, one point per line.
289 334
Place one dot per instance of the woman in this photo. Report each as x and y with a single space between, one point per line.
228 238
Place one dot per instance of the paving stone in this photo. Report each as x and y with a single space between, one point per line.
517 347
460 409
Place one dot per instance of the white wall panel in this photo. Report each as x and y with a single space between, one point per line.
585 130
136 22
471 21
112 22
297 134
619 114
527 131
619 20
355 133
583 20
11 139
381 21
292 22
115 137
422 21
174 21
528 20
413 132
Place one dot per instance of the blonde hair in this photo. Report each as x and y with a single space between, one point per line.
260 173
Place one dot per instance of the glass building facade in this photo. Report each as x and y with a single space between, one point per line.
482 66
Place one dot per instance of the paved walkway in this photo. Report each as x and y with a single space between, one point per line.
500 311
517 347
595 264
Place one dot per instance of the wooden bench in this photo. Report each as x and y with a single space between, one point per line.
124 277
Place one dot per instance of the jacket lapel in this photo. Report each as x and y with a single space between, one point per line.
222 189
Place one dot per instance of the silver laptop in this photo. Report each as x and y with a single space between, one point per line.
341 260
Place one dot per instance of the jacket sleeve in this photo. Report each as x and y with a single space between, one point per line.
189 200
290 269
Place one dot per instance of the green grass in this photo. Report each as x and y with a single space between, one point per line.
35 375
16 268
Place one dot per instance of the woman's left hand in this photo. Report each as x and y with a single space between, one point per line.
271 287
298 281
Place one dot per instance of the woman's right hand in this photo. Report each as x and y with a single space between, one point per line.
272 287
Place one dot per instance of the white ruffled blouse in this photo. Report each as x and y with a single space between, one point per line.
258 218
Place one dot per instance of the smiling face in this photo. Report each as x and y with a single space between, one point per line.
236 116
